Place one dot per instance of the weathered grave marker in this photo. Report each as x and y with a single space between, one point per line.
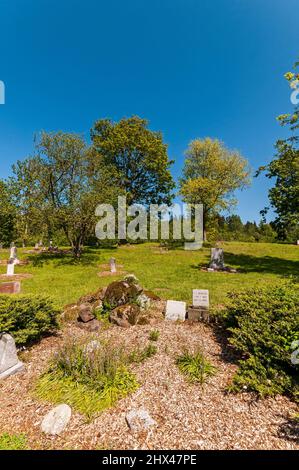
217 258
175 310
9 361
200 298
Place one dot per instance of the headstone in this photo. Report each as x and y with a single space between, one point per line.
200 298
113 265
55 422
217 258
298 242
10 288
140 420
13 252
10 268
175 310
9 362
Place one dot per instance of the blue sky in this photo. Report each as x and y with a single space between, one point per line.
193 68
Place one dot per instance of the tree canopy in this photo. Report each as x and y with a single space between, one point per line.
284 169
211 175
139 157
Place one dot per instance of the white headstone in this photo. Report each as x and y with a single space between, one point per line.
175 310
112 265
9 362
200 298
56 420
10 269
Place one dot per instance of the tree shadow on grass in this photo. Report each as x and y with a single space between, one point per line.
88 257
262 264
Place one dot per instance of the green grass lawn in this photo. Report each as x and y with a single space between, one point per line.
172 275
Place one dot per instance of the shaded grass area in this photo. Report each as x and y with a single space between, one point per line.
170 274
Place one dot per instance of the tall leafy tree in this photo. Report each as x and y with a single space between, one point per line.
284 170
57 186
211 175
138 156
7 214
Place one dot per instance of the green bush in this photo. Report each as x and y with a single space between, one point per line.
263 323
27 318
195 366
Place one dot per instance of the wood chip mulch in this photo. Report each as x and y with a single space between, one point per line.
187 416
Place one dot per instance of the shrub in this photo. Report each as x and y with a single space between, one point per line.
195 366
89 377
13 442
27 318
263 323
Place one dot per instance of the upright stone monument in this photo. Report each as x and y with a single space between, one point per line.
217 259
13 253
112 265
9 362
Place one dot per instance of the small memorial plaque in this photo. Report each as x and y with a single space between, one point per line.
200 298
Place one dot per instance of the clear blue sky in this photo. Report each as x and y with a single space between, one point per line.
194 68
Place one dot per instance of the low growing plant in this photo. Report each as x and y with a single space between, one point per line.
154 335
13 442
139 355
89 377
195 366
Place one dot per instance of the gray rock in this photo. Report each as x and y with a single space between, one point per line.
217 259
9 362
55 422
140 420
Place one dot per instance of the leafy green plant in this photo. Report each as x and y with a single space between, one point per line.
195 366
139 355
154 335
13 442
27 317
89 377
263 323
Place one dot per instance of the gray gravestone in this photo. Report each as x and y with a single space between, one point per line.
9 362
175 310
13 252
217 258
112 265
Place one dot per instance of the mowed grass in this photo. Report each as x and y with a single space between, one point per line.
171 275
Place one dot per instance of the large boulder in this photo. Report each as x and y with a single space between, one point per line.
94 297
125 315
120 293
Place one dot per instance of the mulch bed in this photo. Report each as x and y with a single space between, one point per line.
188 416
